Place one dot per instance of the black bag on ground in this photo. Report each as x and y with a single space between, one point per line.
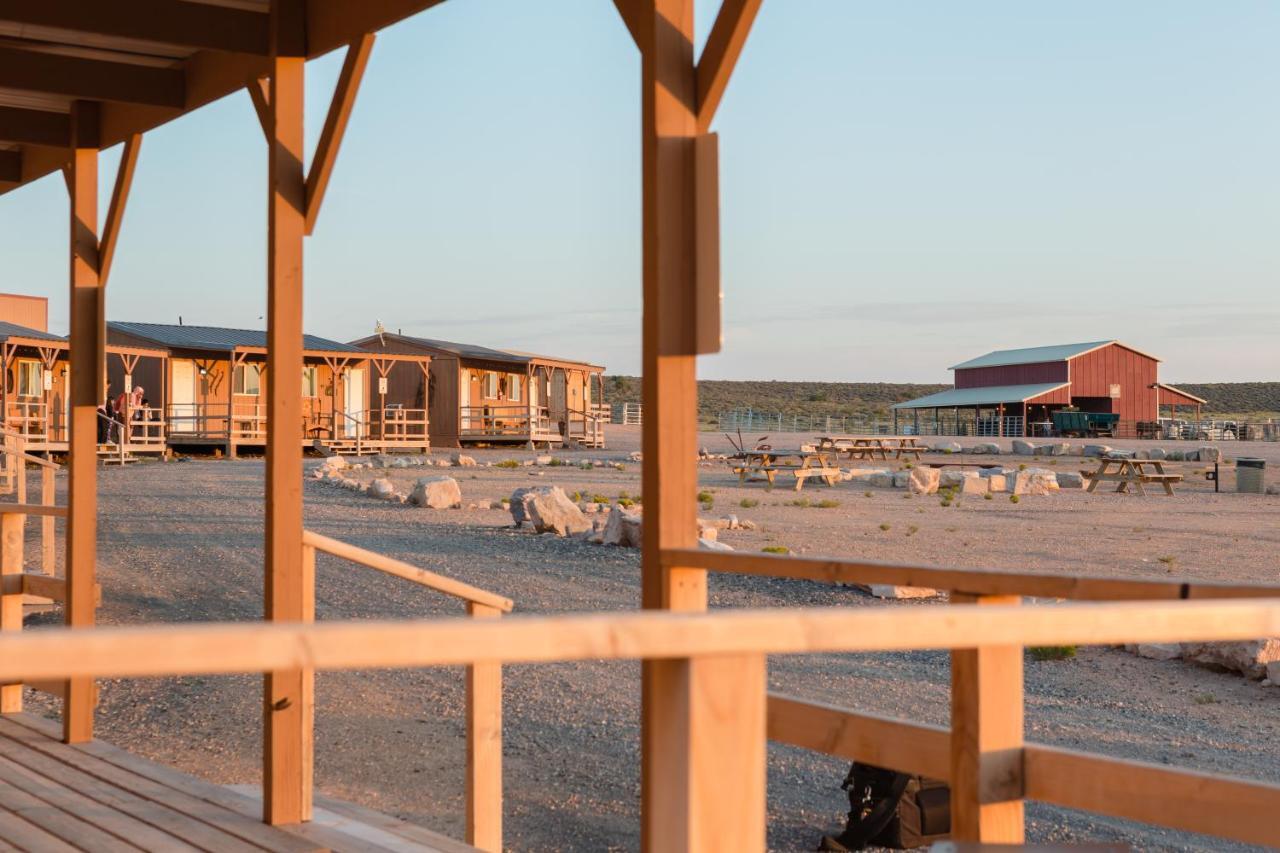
892 809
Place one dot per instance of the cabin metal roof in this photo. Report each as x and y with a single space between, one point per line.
982 396
477 352
13 330
216 337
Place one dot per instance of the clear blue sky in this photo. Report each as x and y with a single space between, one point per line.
904 185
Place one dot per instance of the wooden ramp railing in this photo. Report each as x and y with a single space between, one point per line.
484 682
16 459
717 775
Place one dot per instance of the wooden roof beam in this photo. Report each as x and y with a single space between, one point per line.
34 127
11 166
335 125
115 213
194 25
720 56
632 16
92 79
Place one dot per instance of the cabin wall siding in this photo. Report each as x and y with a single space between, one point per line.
443 414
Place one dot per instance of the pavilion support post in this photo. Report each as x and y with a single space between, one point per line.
87 388
288 694
986 738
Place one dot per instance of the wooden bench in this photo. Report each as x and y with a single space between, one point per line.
755 465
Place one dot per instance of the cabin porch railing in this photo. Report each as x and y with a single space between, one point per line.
398 425
517 421
716 690
30 419
13 480
586 425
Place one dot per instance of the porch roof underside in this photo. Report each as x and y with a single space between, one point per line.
147 62
992 396
1180 397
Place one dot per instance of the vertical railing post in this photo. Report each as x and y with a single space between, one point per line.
288 700
986 739
48 539
11 524
713 796
484 746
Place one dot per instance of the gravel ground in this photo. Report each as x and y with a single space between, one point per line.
182 542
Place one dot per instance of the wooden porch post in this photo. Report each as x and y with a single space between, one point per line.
986 738
288 696
88 371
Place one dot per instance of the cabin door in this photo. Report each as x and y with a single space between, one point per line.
354 400
464 397
183 399
559 404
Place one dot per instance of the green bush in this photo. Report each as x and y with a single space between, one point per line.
508 463
748 503
885 526
1013 499
827 503
775 549
1047 653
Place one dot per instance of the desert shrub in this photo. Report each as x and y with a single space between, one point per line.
508 463
803 503
1206 699
885 526
912 530
556 462
748 503
827 503
626 502
706 498
1047 653
1167 560
775 549
1013 499
987 497
866 494
599 499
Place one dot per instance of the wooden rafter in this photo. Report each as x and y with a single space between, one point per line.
197 25
724 46
632 16
115 213
92 79
335 125
11 166
34 127
257 89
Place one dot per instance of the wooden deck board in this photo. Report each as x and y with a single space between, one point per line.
96 796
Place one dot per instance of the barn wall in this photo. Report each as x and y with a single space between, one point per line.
1012 374
1093 374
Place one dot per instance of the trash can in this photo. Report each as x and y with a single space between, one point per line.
1251 475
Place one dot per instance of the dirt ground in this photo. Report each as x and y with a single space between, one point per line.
182 542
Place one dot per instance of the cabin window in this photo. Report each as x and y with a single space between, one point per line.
30 379
491 385
247 380
513 386
310 381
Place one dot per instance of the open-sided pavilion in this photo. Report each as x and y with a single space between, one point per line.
78 76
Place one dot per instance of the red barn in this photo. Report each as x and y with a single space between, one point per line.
1008 391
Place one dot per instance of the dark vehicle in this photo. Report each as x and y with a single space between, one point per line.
1085 424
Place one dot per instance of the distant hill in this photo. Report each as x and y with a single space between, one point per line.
1236 397
874 398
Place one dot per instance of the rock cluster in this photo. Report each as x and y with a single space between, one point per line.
1254 659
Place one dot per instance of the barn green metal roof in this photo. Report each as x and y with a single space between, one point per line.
1036 355
982 396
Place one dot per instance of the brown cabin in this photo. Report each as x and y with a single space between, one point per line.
479 395
215 382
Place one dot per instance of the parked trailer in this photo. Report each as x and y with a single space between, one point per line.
1085 424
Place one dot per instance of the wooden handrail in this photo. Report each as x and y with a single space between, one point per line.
215 648
28 457
400 569
33 509
976 581
1240 809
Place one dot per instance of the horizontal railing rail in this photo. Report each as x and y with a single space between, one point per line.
499 421
400 569
721 656
976 581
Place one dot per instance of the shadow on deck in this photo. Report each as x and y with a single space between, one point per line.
96 796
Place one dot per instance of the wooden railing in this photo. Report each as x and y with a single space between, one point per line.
721 693
16 460
587 425
30 419
506 422
484 682
397 425
987 703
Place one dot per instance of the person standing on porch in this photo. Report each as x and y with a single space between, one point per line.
104 418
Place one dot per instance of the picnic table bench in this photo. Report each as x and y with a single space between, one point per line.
871 446
756 465
1131 471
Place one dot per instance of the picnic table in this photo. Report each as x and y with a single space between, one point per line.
1131 471
767 463
871 446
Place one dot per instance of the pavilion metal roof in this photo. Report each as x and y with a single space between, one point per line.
216 337
1037 355
982 396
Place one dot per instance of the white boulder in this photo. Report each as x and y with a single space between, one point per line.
1209 454
975 485
436 493
382 488
1252 658
1070 480
460 461
923 481
623 528
1023 448
946 447
989 448
549 510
